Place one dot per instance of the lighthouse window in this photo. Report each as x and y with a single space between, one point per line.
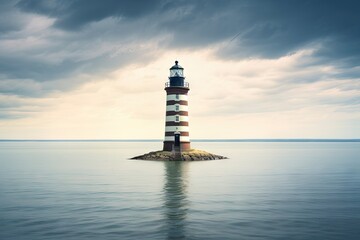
177 96
176 73
177 118
177 108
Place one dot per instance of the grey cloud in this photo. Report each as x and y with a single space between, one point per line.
72 15
9 17
10 115
250 29
261 28
14 107
20 87
278 28
59 65
290 98
30 68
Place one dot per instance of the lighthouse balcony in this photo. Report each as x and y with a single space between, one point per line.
180 84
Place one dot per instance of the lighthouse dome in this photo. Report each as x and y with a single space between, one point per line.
176 66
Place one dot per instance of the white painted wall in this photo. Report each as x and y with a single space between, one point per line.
173 97
172 118
182 138
181 108
179 128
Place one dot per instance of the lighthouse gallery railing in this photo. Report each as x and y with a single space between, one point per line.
186 84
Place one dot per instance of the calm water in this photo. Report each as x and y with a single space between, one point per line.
89 190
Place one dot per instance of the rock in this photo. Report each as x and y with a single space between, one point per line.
191 155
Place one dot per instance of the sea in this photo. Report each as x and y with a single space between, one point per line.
267 189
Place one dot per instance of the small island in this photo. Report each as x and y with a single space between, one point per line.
190 155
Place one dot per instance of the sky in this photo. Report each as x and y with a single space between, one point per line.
89 69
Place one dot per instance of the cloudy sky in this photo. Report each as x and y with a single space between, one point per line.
90 69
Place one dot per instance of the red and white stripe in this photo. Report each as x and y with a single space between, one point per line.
177 119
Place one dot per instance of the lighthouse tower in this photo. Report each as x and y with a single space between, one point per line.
177 120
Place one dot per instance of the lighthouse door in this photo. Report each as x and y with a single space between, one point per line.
177 140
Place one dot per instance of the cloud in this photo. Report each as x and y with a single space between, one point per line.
248 29
54 60
10 19
73 15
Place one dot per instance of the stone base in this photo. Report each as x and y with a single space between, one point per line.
191 155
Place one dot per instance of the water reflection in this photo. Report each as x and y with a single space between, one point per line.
175 199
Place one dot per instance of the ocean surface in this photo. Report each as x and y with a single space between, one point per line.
265 190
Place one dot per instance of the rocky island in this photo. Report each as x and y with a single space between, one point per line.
190 155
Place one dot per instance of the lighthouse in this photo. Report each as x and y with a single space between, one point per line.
177 119
177 142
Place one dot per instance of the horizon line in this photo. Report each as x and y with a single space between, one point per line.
194 140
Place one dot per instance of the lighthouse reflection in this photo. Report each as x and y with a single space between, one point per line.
175 199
